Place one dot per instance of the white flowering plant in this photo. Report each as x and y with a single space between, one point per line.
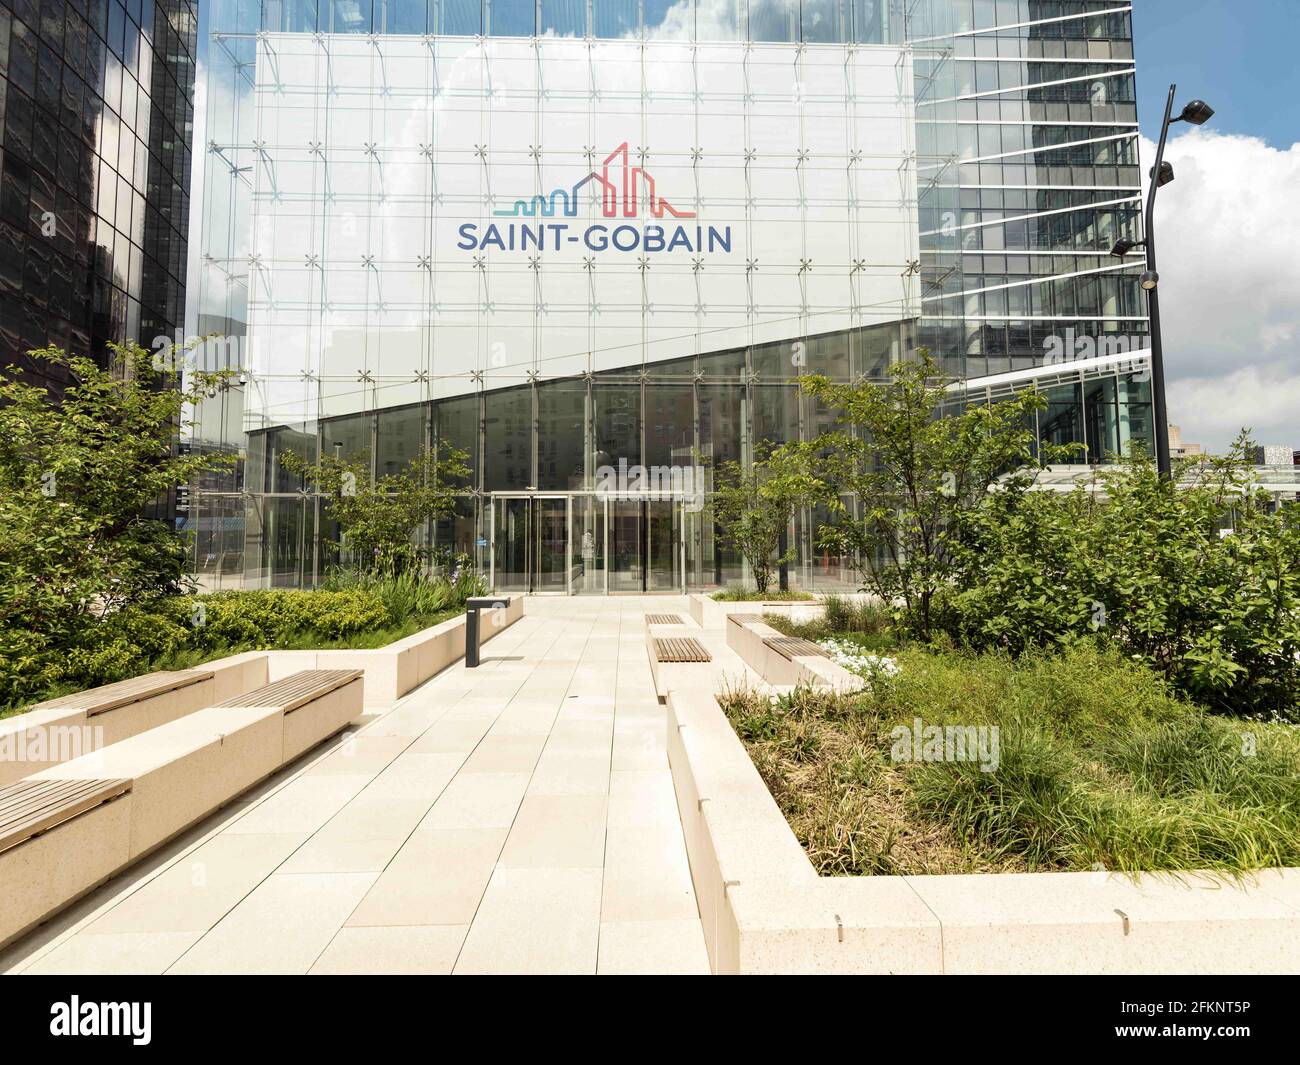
852 657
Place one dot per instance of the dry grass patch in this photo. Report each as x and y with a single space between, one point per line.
1098 765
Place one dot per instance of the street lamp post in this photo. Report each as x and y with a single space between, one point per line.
1198 112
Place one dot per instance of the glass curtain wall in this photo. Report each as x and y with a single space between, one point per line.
243 530
1042 178
96 109
814 21
1025 172
708 411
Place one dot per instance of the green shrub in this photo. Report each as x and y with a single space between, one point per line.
268 618
856 615
1146 570
122 644
338 615
180 631
78 545
30 664
412 595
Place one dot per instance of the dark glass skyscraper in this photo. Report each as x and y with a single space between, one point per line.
1019 213
96 104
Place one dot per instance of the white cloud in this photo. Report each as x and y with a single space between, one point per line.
1212 409
1229 258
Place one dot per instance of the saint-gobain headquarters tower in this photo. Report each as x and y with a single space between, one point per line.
580 239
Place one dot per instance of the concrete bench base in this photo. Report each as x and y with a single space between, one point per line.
185 770
180 773
50 871
749 639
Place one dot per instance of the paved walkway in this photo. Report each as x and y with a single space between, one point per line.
515 818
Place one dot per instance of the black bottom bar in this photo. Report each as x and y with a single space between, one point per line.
1014 1016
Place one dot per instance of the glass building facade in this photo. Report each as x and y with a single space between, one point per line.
1042 180
96 104
576 238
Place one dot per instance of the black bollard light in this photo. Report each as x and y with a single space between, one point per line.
472 629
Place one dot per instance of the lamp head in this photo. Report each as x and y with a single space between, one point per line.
1198 112
1149 280
1165 176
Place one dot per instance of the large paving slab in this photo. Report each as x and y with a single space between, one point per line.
518 817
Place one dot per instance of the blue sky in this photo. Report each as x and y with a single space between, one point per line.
1242 56
1232 337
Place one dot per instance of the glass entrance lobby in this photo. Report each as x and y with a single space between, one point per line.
534 516
589 544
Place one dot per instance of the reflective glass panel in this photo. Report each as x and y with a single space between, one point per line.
564 18
460 18
512 18
615 18
507 439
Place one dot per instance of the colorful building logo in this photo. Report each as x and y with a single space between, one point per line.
620 185
624 191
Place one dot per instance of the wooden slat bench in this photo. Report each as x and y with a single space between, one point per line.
124 692
663 619
295 690
58 840
71 725
792 647
31 807
329 694
681 649
747 619
176 775
677 661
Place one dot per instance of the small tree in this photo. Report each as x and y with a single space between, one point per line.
378 516
754 504
916 468
76 482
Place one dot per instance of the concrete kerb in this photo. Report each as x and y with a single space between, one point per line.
394 670
710 613
765 909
